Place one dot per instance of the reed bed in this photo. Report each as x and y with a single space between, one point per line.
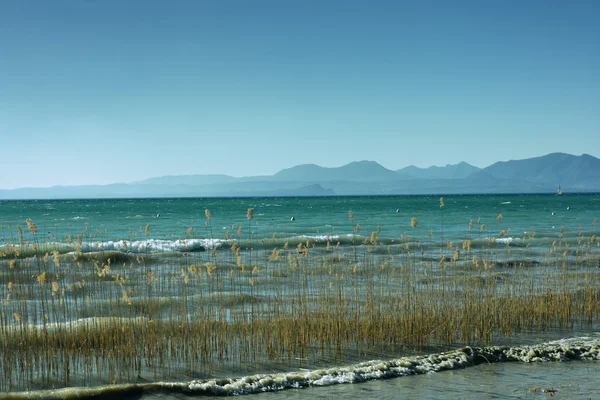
79 318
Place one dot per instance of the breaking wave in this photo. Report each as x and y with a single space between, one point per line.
580 348
163 246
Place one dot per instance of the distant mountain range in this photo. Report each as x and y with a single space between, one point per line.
457 171
533 175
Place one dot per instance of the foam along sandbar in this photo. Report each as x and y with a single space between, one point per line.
581 348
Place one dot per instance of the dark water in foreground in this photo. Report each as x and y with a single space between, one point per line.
566 368
572 380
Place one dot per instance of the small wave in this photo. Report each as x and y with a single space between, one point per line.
582 348
127 246
506 202
505 240
321 238
89 323
154 245
171 246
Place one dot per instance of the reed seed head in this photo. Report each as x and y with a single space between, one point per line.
413 222
41 279
441 202
56 258
275 256
126 298
250 214
456 254
31 226
210 268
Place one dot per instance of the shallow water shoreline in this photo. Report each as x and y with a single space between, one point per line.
564 350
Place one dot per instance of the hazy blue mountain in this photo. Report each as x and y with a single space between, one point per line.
308 190
452 171
569 171
187 180
358 171
533 175
137 190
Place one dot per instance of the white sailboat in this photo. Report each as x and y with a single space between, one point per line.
559 191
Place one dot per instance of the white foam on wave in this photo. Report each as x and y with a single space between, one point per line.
582 348
505 240
320 238
130 246
579 348
153 245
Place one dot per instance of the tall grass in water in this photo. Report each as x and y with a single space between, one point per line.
442 205
107 317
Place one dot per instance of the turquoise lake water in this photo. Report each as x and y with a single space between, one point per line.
173 228
169 219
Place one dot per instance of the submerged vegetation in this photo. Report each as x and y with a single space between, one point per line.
70 315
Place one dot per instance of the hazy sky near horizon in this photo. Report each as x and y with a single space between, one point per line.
103 91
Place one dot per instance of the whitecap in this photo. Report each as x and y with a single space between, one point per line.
320 238
138 246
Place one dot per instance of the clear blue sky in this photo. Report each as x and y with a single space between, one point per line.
102 91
